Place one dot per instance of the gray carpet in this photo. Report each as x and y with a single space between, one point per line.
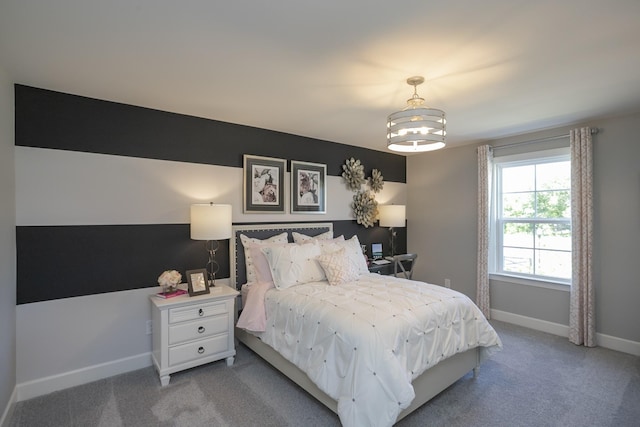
537 380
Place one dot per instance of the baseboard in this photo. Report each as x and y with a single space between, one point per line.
42 386
531 323
618 344
603 340
6 414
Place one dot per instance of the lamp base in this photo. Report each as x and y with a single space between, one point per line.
212 266
392 239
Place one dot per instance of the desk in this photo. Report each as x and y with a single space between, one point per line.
387 269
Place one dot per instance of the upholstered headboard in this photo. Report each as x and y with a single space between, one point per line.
237 268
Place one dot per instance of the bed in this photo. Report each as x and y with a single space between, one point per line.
364 387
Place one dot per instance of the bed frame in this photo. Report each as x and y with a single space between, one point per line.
426 386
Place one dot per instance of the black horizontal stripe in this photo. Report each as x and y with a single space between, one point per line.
49 119
57 262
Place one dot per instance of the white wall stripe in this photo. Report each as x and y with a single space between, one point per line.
57 187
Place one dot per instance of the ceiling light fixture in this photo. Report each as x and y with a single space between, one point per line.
416 128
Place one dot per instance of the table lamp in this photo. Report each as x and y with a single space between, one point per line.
392 216
211 222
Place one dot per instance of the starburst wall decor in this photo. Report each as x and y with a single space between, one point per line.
364 205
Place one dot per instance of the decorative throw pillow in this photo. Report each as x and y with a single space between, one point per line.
339 268
247 242
303 238
294 264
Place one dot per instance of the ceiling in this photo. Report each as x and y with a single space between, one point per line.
334 70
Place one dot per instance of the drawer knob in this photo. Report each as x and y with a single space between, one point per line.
201 329
201 312
201 350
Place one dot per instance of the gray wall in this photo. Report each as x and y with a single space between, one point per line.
7 246
443 213
442 216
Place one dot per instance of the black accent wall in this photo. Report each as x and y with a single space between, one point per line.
56 261
49 119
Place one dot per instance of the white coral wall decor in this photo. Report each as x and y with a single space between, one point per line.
364 205
365 208
353 174
376 182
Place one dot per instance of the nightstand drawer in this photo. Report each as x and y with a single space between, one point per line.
196 311
198 350
197 329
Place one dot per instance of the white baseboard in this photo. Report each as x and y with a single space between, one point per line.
618 344
42 386
6 414
531 323
606 341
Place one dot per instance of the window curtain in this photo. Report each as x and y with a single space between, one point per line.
582 324
485 169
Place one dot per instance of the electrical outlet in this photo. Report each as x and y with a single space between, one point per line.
447 283
149 327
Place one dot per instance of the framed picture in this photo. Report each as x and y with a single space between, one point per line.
198 283
308 187
263 184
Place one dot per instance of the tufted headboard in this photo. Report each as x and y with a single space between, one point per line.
237 268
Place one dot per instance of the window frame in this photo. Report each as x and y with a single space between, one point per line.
497 222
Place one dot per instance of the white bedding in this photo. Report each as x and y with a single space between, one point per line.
363 342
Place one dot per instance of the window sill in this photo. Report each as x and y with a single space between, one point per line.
531 282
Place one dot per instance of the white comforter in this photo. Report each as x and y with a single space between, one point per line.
364 342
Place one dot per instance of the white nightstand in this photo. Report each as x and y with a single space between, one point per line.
191 331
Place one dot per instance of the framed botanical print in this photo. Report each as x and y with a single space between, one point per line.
263 184
308 187
198 283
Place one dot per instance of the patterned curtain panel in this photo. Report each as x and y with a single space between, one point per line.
582 323
485 168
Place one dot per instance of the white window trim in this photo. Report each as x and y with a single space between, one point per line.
556 154
537 282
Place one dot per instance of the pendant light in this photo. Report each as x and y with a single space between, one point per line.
417 128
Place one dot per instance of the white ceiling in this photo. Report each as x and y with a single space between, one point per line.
334 70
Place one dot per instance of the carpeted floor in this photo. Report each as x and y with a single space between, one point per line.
537 380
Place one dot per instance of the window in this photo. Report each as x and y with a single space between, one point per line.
532 216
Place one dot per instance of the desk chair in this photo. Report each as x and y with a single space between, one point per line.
399 264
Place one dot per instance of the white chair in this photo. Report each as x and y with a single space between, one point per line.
404 264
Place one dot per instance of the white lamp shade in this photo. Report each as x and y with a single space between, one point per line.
210 222
392 215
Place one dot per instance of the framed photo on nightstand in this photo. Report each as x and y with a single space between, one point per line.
376 250
198 283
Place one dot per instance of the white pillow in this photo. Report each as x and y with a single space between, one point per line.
339 268
329 245
247 242
294 264
303 238
352 250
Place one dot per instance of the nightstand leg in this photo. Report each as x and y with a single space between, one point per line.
230 360
164 380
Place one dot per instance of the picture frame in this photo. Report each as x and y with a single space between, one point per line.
263 184
197 282
308 187
376 251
